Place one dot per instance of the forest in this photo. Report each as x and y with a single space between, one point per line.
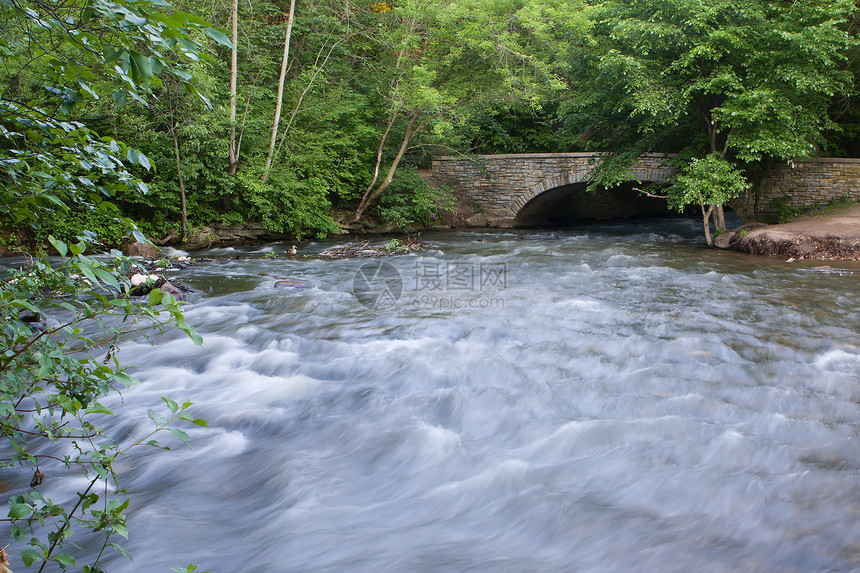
305 116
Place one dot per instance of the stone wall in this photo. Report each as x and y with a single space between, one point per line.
803 185
501 185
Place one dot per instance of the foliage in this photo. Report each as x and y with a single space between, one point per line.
411 199
61 332
518 129
371 85
783 212
743 79
58 172
438 63
707 182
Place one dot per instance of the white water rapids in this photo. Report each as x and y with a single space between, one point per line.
618 398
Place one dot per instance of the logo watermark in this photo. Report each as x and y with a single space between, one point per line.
377 285
435 285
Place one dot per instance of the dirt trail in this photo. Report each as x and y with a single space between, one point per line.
828 235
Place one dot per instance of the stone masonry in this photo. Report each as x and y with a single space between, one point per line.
502 185
803 185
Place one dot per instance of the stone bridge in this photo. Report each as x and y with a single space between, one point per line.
549 188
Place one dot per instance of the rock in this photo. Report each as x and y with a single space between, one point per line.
475 221
173 291
724 240
292 284
144 250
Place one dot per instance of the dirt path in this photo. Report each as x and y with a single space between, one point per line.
833 234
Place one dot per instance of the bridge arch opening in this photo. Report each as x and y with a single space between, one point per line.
570 204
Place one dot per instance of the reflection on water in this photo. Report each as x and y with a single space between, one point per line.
631 401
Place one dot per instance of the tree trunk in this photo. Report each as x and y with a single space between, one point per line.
719 218
369 197
184 223
234 72
280 100
706 216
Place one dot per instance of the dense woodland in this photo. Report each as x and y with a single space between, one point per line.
303 115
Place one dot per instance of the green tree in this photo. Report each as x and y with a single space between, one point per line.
745 80
59 320
440 62
707 183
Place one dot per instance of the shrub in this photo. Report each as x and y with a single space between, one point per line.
61 328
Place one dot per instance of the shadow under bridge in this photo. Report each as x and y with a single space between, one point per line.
572 203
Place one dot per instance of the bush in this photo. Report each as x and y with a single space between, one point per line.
409 199
61 328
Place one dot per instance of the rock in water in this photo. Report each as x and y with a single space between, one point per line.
292 284
143 250
173 291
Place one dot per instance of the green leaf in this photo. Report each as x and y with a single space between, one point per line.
122 550
219 37
96 408
60 246
30 556
197 421
120 529
172 405
157 418
19 510
107 278
155 296
141 71
64 560
119 97
179 435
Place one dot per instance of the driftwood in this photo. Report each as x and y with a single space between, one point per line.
365 249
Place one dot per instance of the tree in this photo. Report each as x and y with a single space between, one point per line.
280 97
707 183
233 153
746 80
59 320
440 62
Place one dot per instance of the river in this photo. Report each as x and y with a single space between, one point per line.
606 398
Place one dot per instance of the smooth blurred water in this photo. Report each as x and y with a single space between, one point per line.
618 398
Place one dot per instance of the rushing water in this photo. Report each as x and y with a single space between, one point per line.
614 398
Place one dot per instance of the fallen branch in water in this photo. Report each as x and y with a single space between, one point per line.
365 249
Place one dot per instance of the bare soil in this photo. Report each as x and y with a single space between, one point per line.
833 234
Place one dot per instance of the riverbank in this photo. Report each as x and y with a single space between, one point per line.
828 235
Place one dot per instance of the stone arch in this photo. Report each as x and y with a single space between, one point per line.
577 180
568 178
